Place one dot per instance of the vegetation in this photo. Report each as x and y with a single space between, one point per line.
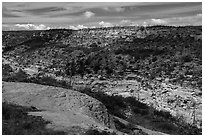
15 121
161 120
168 53
97 132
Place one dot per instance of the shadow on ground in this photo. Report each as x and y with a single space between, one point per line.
15 121
129 109
137 113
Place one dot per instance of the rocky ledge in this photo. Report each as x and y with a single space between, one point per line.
71 107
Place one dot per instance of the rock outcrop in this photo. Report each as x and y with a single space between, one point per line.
59 100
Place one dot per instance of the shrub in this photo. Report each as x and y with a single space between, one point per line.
166 126
51 81
97 132
114 104
19 76
164 114
135 103
186 58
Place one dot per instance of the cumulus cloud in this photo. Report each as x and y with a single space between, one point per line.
145 24
72 27
126 22
81 27
158 21
32 26
129 23
199 15
105 24
114 9
106 8
77 27
89 14
119 9
188 20
5 25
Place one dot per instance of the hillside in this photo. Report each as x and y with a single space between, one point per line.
156 52
159 66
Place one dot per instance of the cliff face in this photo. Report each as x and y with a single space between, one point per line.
58 100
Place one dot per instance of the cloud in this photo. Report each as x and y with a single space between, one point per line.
5 25
81 27
177 21
114 9
72 27
32 26
125 22
199 15
89 14
7 13
39 11
77 27
106 8
158 21
145 24
188 20
119 9
56 14
105 24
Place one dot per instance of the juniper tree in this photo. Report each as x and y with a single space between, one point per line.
70 69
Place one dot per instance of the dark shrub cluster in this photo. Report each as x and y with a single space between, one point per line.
15 121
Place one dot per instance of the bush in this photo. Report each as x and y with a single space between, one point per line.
135 103
186 58
96 132
19 76
164 114
6 69
114 104
166 126
47 80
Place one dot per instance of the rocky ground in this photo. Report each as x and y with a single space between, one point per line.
177 100
142 81
65 108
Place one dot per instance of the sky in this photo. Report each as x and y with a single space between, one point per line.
77 15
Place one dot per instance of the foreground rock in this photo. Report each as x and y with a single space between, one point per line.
64 108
